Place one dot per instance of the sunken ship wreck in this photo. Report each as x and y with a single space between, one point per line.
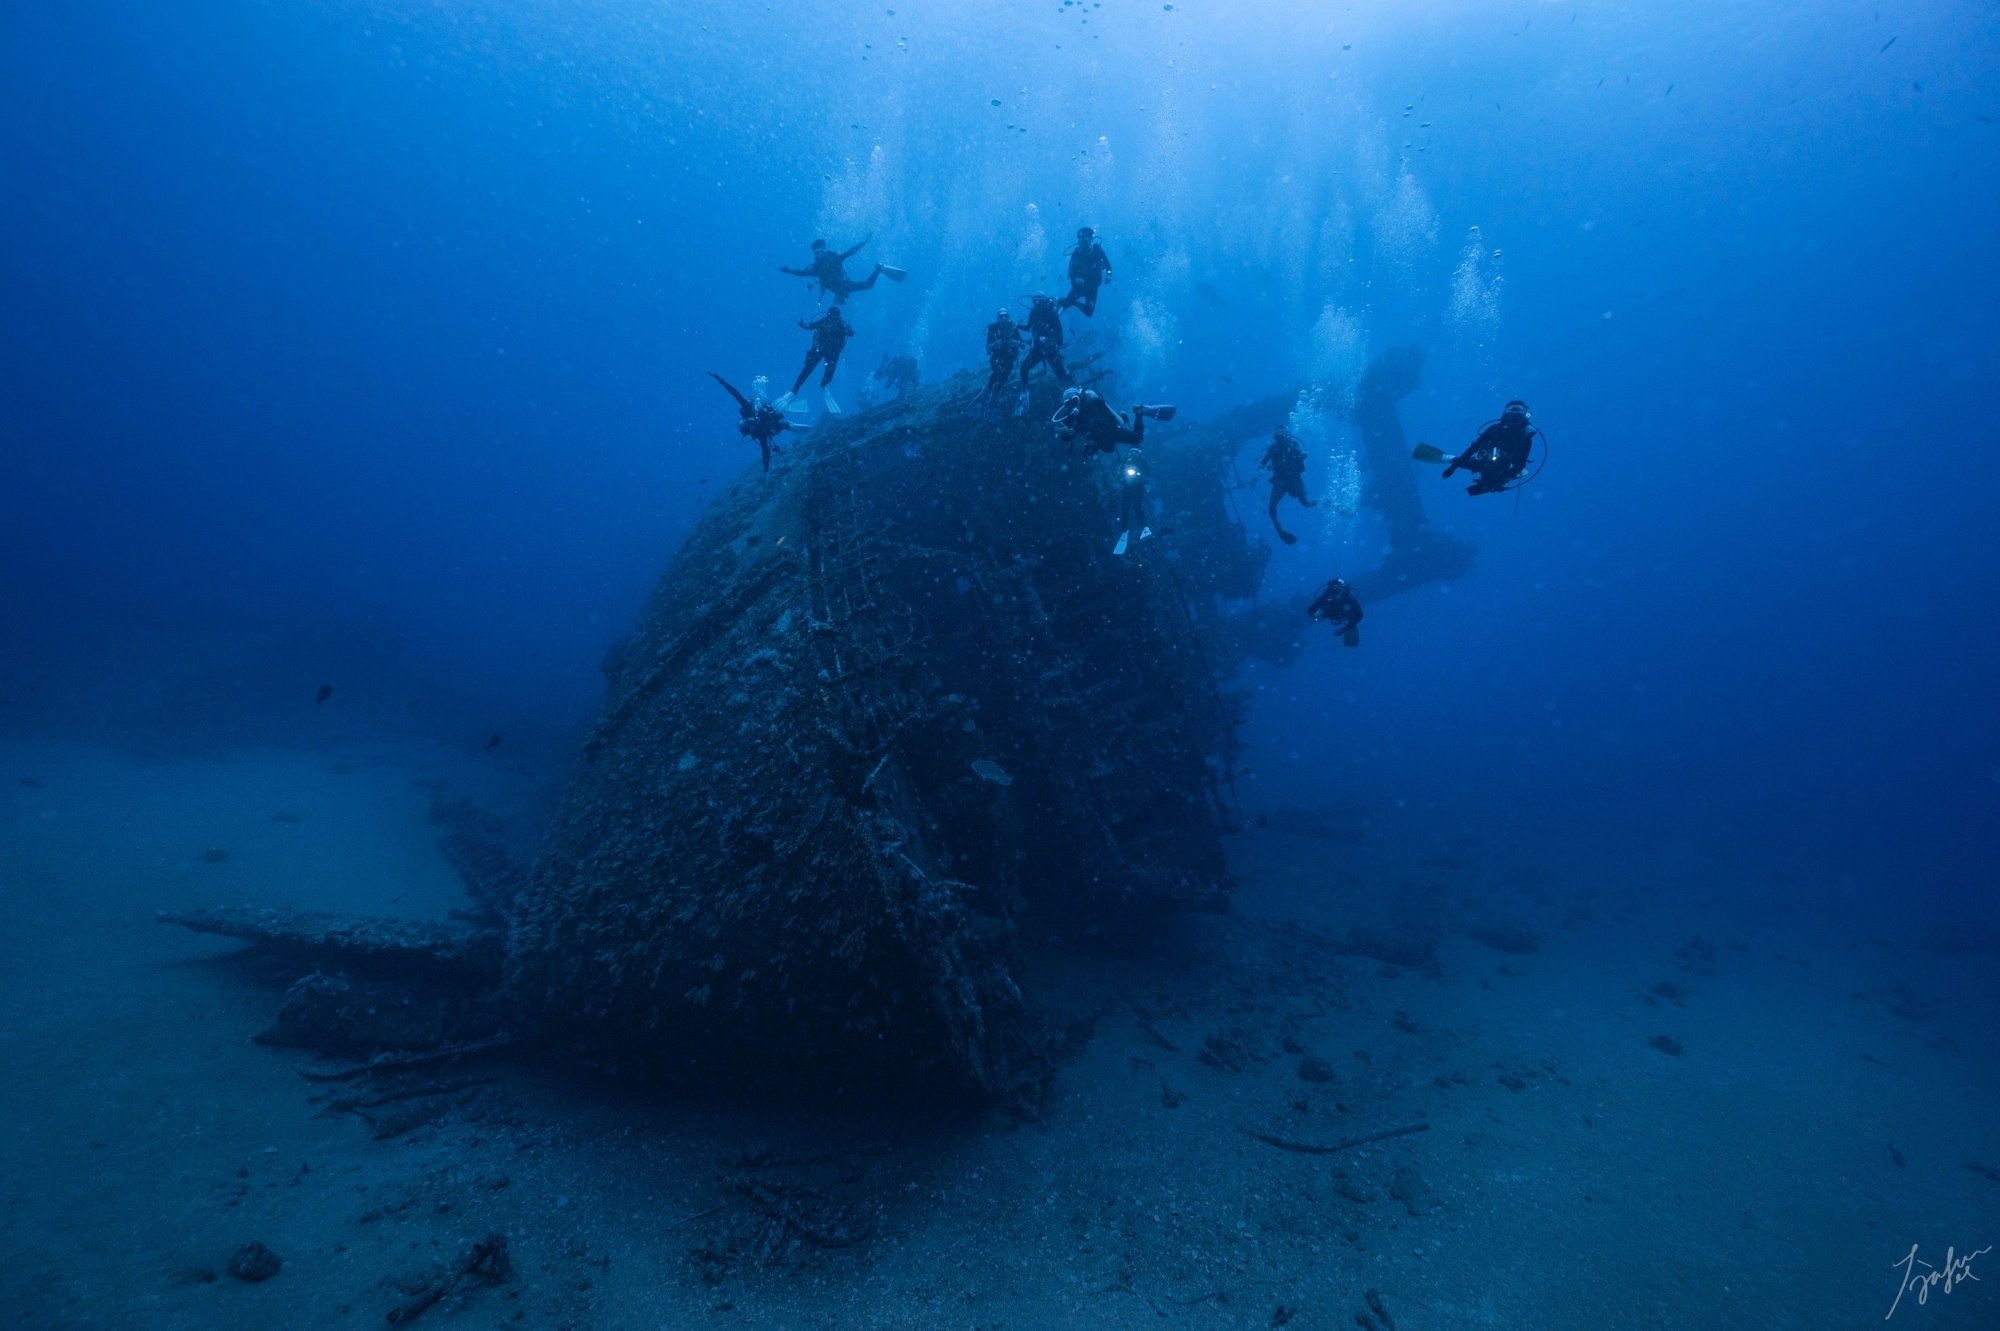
892 707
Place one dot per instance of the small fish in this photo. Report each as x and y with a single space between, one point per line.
492 744
992 771
325 692
1886 45
31 783
1896 1157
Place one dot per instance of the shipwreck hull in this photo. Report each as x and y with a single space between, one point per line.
893 708
886 705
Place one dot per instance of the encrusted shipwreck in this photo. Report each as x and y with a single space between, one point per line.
894 706
890 703
883 705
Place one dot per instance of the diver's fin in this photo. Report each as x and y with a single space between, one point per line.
1427 453
1021 403
1288 538
1124 539
1352 637
891 272
832 407
783 402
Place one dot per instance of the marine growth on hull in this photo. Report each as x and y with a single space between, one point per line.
884 704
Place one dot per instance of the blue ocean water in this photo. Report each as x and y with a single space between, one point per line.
367 342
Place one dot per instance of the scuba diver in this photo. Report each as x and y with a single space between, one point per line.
1498 456
898 374
829 269
1338 606
1089 268
1286 462
1131 500
1045 333
830 333
1084 413
1003 348
761 421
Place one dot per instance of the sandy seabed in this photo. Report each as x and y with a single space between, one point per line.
1832 1103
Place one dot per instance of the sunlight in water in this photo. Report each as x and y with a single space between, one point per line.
1333 467
1475 288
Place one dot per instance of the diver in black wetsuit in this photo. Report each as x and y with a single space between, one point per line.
761 421
1045 333
1132 500
1500 454
898 374
1084 414
829 269
1337 605
1286 462
1089 268
830 333
1003 348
